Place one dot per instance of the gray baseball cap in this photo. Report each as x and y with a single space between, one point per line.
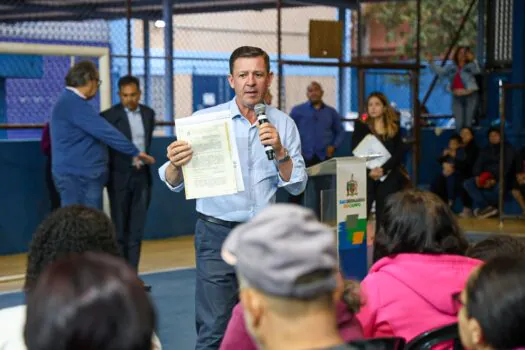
279 248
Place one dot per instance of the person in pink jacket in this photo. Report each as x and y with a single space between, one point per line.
419 267
238 338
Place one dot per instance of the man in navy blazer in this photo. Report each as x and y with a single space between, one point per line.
129 184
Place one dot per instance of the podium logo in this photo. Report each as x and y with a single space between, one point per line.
351 187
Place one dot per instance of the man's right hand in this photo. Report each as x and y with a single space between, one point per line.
146 158
179 153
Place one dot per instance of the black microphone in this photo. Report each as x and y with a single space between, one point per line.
260 112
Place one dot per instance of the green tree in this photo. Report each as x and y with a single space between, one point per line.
439 21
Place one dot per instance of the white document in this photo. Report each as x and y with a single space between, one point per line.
214 169
371 147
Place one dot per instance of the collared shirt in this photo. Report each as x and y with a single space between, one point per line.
318 129
138 136
75 90
261 176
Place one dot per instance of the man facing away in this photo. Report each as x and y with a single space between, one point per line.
287 266
79 136
216 284
129 184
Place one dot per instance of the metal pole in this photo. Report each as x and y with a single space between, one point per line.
341 14
501 154
279 55
128 34
360 72
167 6
452 44
147 76
480 44
416 106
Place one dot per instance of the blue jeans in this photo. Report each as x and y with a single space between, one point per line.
464 109
74 189
481 197
216 287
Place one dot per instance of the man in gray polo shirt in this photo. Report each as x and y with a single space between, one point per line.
286 264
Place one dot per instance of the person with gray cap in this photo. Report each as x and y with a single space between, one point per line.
287 267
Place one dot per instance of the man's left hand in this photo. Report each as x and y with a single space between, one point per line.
270 137
330 151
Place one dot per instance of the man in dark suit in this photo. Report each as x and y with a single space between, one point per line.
129 184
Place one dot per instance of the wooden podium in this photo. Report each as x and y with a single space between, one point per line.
343 207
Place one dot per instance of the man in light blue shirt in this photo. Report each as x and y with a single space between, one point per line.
216 285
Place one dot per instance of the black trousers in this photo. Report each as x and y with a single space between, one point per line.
54 197
379 191
129 196
448 189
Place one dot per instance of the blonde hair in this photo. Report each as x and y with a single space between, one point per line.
389 117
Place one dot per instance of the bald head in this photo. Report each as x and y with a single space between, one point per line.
314 92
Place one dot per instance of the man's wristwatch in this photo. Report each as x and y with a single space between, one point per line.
285 158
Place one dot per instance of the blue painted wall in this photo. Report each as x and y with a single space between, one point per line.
216 87
3 107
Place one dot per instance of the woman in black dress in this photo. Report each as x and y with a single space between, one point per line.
382 122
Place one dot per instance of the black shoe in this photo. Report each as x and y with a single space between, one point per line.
146 287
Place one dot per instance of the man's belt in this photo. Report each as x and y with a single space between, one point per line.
211 219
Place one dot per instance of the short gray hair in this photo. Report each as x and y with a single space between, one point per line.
81 73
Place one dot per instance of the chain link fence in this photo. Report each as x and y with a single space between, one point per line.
202 43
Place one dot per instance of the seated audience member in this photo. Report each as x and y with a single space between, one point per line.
466 165
286 263
419 250
518 190
89 301
484 186
492 305
237 336
448 185
73 229
496 245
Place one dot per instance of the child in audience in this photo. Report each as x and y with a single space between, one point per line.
449 183
492 306
496 245
89 301
518 190
420 263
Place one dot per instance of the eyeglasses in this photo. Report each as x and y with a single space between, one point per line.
456 300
